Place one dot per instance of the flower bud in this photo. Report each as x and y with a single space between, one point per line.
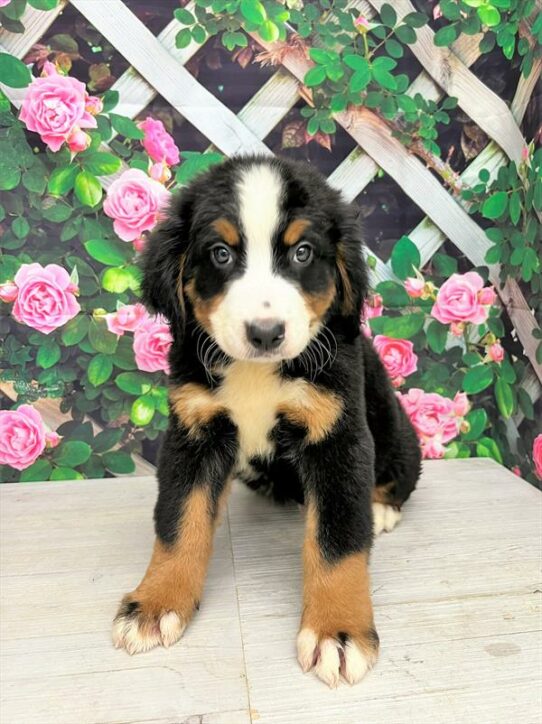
8 292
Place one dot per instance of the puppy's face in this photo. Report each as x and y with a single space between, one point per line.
262 266
261 253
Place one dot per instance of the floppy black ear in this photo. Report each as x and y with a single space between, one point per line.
162 263
352 278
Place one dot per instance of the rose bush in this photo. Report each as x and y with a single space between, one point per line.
73 327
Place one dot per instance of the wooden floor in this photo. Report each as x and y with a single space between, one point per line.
456 589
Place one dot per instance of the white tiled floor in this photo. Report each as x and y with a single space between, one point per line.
456 589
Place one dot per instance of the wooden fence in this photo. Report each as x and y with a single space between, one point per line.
157 67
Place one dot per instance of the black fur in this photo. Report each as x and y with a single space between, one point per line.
372 443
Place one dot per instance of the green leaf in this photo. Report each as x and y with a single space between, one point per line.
477 379
62 180
446 36
116 280
184 16
394 48
99 369
495 205
108 252
194 163
20 227
101 164
315 76
43 4
75 330
14 72
405 258
402 327
437 335
88 189
57 212
253 11
107 439
488 448
134 383
48 354
142 410
72 453
118 462
383 77
415 20
40 470
64 473
101 338
182 40
393 294
505 398
489 15
406 34
110 99
388 15
525 403
515 208
477 420
126 127
269 31
34 179
444 265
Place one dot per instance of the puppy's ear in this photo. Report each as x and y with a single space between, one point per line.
162 263
352 279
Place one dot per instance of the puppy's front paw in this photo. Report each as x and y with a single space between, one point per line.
385 517
332 657
140 626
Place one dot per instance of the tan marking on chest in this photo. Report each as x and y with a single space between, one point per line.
253 395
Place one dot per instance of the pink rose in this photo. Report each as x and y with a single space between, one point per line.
22 437
134 201
126 319
496 352
94 105
3 3
78 141
54 106
457 328
139 244
414 287
158 143
372 307
152 340
46 297
362 24
517 470
537 456
52 439
160 172
487 296
461 404
457 300
8 292
434 419
397 356
437 12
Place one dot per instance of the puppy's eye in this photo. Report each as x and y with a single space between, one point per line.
303 254
222 256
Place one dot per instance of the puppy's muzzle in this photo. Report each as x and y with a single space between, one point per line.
265 335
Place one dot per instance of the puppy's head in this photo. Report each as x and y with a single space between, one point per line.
260 252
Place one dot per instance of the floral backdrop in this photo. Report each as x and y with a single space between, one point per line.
71 326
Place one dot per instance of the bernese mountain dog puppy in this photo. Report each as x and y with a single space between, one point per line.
259 269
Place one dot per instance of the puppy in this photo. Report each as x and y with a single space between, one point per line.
259 269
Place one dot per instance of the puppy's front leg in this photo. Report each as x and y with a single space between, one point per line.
192 474
337 634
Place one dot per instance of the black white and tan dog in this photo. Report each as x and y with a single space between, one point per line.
259 269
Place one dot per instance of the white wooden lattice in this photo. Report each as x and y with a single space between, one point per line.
158 68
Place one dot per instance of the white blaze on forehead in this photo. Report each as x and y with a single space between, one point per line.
260 191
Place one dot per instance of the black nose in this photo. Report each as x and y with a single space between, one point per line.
265 334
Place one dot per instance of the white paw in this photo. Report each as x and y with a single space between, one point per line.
332 659
385 517
137 633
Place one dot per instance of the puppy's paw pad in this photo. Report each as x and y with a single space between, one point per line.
136 630
385 518
332 658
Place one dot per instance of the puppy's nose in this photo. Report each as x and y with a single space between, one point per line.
265 334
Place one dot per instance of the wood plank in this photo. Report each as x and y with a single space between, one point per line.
36 23
142 50
484 106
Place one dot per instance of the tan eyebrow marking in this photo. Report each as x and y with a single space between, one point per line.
294 231
227 231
